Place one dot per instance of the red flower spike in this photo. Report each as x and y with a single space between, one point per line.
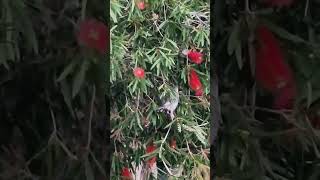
93 34
173 144
125 172
278 3
272 72
152 161
195 57
194 81
150 149
285 99
138 73
141 5
199 92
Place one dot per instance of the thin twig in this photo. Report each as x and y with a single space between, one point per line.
66 150
98 164
280 133
36 155
53 121
191 154
306 9
83 9
90 117
247 7
54 136
164 140
165 165
138 100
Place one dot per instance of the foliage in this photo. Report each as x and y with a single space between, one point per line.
256 141
52 96
153 39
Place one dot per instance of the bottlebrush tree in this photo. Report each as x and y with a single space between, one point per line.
269 89
160 89
52 83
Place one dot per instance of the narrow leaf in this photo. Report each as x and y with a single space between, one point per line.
79 79
283 33
66 71
239 55
309 99
233 38
88 169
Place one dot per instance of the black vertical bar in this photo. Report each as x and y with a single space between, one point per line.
216 9
107 95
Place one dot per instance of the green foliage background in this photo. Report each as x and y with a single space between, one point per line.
52 111
255 141
153 39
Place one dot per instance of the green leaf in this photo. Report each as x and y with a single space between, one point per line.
161 25
88 169
234 38
173 43
113 16
3 55
239 56
164 55
309 99
151 154
201 40
135 85
79 78
10 52
67 71
315 173
138 120
315 79
155 63
303 64
283 33
166 49
31 36
149 83
65 90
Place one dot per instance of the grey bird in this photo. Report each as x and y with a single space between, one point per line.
171 104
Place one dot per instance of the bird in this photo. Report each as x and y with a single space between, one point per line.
171 104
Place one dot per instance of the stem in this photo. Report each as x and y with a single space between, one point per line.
247 7
306 9
249 15
53 122
138 100
83 10
164 140
90 117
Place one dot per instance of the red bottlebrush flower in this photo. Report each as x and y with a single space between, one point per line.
195 57
194 81
278 3
173 144
141 5
93 34
199 92
272 72
285 99
152 161
150 149
126 172
138 72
